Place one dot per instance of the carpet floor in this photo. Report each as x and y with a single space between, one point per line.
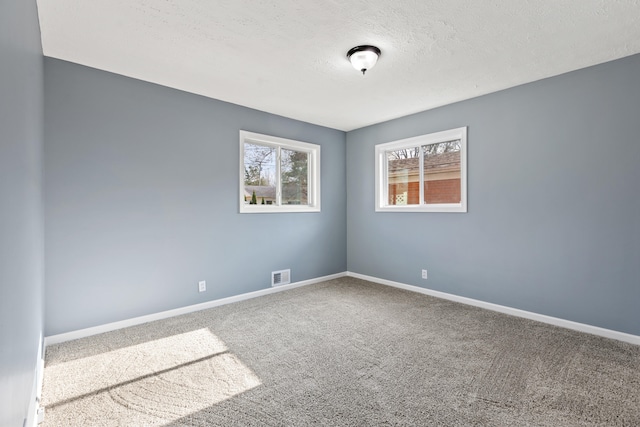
344 352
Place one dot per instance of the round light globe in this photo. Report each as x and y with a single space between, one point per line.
363 58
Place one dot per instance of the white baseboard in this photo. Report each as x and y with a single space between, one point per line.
568 324
36 393
82 333
594 330
40 367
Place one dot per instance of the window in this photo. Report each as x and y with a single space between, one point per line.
278 175
427 173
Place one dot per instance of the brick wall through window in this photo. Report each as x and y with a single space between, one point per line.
440 191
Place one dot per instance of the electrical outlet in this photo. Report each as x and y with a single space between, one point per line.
424 274
202 286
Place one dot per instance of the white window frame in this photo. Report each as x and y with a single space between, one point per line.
313 169
381 176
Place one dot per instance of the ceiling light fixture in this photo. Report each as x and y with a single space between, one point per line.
363 58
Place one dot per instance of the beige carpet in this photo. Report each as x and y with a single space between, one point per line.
343 353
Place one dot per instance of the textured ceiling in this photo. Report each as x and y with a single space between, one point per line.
288 56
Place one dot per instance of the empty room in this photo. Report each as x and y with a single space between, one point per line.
293 213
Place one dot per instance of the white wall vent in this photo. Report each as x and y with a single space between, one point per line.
281 277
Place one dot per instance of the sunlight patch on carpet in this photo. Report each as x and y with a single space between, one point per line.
154 382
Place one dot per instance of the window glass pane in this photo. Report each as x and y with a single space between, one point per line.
278 175
425 173
403 169
442 172
294 168
259 174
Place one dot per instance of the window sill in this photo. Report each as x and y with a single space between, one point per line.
278 209
456 207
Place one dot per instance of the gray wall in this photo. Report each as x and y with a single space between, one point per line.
21 236
141 188
141 201
554 213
